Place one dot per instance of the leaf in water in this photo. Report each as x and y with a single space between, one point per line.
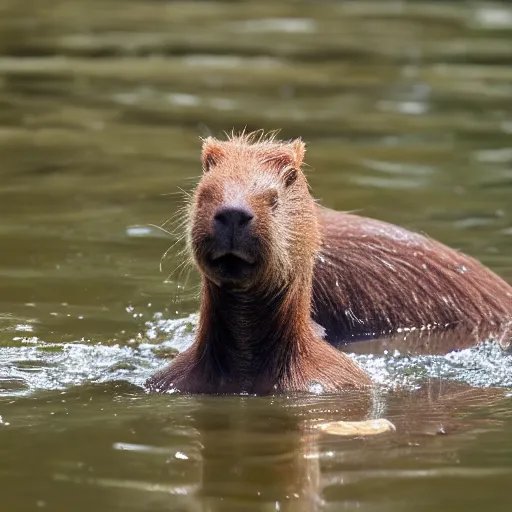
357 428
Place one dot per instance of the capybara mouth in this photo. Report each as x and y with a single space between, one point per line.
231 266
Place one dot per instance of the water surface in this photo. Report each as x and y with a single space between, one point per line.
406 109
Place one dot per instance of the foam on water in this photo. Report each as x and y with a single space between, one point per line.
36 365
485 365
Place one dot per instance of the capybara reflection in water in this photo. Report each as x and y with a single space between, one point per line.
281 275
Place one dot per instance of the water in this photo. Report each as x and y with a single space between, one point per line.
406 108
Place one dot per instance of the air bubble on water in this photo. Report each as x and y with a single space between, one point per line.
139 231
316 388
24 328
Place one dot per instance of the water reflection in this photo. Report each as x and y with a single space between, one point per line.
188 453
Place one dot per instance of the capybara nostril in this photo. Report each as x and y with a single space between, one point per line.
231 218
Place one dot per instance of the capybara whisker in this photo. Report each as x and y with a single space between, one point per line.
180 239
160 228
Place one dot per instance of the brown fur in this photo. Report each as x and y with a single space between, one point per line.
373 279
256 333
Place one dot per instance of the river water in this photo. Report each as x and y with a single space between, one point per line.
407 111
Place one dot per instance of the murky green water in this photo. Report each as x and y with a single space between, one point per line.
407 110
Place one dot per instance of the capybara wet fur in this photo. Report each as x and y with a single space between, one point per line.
283 280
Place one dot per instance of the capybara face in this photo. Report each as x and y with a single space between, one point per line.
252 217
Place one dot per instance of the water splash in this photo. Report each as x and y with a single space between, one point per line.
485 365
36 365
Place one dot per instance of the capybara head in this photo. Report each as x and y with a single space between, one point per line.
252 218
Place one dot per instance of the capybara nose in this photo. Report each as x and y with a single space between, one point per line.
233 217
230 221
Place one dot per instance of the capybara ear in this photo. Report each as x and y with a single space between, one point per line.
288 155
299 150
212 154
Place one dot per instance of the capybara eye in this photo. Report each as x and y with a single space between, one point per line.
289 176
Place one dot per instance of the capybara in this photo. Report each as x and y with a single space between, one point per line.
281 275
